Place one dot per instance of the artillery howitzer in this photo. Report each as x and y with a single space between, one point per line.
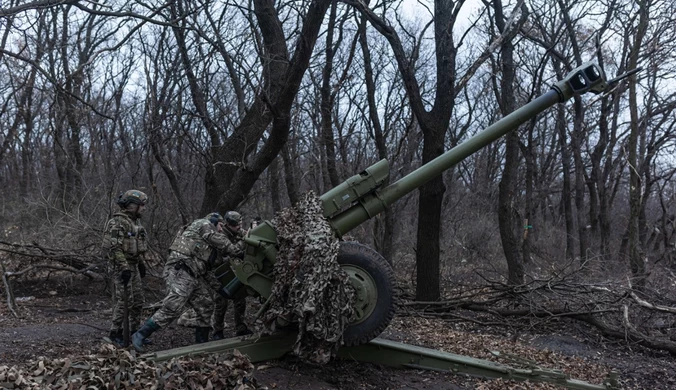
355 201
363 196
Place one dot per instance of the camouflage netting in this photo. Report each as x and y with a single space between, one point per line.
310 288
114 368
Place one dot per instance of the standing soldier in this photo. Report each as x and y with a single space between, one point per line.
124 245
233 230
193 255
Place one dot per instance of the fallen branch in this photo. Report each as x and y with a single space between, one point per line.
85 271
605 306
630 335
554 312
73 310
449 316
649 305
72 259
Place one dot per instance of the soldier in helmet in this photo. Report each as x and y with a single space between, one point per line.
193 255
233 230
124 245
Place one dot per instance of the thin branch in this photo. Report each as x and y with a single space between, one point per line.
11 304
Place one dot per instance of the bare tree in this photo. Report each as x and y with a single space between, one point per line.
433 123
233 169
507 215
636 255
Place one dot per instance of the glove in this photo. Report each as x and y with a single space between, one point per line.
142 269
125 276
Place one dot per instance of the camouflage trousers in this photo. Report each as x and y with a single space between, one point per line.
135 301
185 292
221 306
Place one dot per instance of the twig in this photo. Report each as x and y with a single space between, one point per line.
73 310
11 304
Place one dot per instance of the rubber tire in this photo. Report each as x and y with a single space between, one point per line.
354 253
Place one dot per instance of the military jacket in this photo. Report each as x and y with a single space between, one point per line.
236 239
199 245
124 241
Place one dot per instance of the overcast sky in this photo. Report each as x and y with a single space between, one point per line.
413 9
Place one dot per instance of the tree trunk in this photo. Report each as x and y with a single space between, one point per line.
289 175
566 201
580 184
326 105
429 223
273 179
599 216
383 228
507 212
636 261
530 207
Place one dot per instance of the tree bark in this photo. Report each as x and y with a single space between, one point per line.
507 212
273 179
580 182
289 175
326 105
636 261
566 201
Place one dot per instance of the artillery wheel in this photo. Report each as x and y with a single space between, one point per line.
373 279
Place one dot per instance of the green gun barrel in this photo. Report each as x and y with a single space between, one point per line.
586 78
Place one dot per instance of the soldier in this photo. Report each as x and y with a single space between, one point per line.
233 230
192 257
124 245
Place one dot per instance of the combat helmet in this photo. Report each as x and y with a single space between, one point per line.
233 218
132 196
214 218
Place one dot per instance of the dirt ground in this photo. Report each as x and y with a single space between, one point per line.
70 317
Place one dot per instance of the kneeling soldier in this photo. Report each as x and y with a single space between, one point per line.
191 259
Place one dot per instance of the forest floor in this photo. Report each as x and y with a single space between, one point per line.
69 317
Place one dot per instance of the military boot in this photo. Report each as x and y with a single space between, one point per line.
201 334
146 330
145 341
116 337
240 326
218 335
242 330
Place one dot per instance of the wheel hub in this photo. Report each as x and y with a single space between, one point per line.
366 292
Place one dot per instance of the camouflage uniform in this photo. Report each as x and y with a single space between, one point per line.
193 256
124 245
221 303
